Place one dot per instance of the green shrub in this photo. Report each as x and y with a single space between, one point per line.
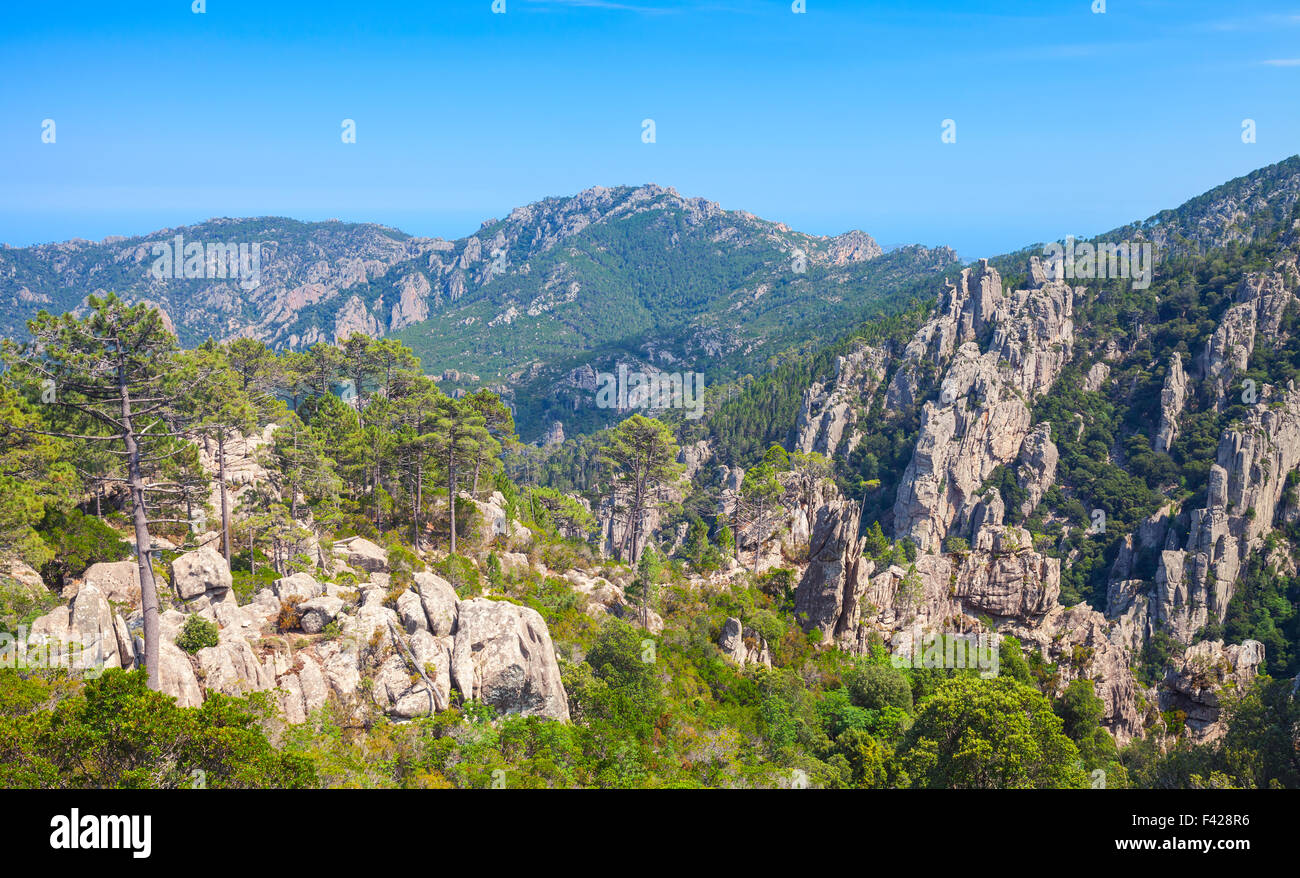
246 584
110 735
462 574
197 634
956 546
77 541
875 687
20 604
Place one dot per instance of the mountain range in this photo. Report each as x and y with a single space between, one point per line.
641 275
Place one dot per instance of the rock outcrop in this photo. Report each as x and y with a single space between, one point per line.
1173 397
87 635
981 419
503 656
994 352
1261 303
1097 377
743 645
827 418
554 435
360 553
117 581
201 573
1247 482
297 587
1198 678
405 662
1037 467
836 573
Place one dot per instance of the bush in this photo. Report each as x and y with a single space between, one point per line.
197 634
77 541
112 734
289 617
878 686
245 584
19 604
956 546
403 564
462 574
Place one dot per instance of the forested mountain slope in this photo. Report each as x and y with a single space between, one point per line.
641 273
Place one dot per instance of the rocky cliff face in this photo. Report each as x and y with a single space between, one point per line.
1173 397
1197 680
976 369
997 352
1261 303
1247 482
828 417
1195 576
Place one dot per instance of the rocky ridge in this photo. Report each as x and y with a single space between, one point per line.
975 370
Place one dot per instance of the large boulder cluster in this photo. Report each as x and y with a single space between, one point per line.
403 655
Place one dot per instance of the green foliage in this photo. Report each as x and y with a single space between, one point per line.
1265 606
462 574
77 541
197 633
777 458
20 604
620 686
559 513
1081 712
117 734
1011 661
989 734
956 546
34 475
764 409
874 686
641 459
727 541
877 544
1155 656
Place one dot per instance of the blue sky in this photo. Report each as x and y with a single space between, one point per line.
1068 122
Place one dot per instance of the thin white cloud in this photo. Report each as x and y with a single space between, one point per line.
1282 62
1258 22
601 4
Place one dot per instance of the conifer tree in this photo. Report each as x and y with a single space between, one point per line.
116 375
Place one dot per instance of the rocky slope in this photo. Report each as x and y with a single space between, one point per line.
975 370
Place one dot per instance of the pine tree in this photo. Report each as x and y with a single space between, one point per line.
459 434
116 375
759 503
500 426
223 407
641 459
